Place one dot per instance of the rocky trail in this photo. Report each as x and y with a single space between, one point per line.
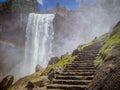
78 74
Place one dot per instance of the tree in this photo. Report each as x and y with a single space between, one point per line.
46 7
7 5
57 5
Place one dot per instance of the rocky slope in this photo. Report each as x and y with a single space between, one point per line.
106 77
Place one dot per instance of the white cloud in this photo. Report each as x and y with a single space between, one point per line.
40 2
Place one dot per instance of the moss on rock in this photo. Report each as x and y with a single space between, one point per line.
61 63
109 48
107 76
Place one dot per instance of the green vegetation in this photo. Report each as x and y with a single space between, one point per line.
97 61
112 43
65 60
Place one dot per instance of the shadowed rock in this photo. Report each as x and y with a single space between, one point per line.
30 86
6 82
38 68
53 61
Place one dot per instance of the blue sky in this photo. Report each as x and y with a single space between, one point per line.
2 0
70 4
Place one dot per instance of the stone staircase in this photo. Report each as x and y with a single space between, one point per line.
77 74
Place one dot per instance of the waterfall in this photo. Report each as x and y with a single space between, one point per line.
39 36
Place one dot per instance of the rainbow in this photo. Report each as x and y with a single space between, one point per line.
7 43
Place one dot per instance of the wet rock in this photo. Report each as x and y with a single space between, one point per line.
53 61
38 68
75 52
30 86
64 55
6 82
41 83
51 74
38 84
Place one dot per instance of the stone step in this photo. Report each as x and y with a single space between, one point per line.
86 59
86 56
83 61
72 82
88 53
74 77
79 65
78 68
75 73
84 64
67 87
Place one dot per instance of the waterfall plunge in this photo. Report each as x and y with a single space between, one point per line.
39 36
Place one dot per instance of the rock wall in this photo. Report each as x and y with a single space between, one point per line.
13 22
107 76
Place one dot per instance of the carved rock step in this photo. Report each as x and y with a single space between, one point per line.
78 64
87 61
75 73
88 53
81 63
78 70
86 56
67 87
72 82
74 77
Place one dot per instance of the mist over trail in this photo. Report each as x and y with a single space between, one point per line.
71 29
84 24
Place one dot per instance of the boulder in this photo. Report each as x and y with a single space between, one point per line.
6 82
53 61
30 86
38 68
37 84
62 56
75 52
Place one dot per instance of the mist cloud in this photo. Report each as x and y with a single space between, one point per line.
85 24
75 29
40 2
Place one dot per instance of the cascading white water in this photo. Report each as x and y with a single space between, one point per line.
39 36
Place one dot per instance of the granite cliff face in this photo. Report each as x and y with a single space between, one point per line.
13 19
13 22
